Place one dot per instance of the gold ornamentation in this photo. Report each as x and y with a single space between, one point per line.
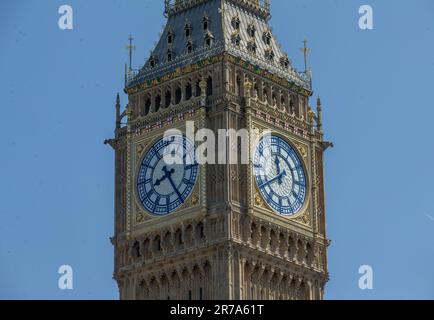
194 200
139 150
310 115
259 201
303 150
304 218
140 217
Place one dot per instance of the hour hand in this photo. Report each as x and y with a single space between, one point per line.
277 162
167 174
279 177
158 181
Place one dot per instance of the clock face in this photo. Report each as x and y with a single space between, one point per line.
167 175
280 175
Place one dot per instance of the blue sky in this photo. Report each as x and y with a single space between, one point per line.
57 93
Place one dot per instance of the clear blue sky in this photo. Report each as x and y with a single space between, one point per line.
57 94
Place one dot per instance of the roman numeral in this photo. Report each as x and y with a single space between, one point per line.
187 182
191 166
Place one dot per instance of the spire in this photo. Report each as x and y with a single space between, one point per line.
118 112
130 47
305 51
188 39
319 114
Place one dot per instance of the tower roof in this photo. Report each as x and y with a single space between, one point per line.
199 29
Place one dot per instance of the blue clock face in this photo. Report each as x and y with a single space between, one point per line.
167 175
280 175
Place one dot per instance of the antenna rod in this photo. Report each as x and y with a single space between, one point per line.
131 47
305 51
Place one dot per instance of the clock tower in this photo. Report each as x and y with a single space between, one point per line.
231 229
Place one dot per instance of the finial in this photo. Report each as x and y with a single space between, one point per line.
319 114
305 51
126 74
118 111
310 115
131 47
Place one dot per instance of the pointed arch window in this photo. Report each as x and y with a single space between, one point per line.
251 46
209 86
236 23
251 30
284 62
168 99
152 62
209 40
170 38
267 38
170 55
157 102
189 47
147 106
188 92
178 95
205 23
269 55
188 30
236 39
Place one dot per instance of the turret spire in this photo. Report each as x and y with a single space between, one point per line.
305 51
130 47
118 111
319 114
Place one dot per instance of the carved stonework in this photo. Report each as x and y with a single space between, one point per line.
304 218
140 216
259 201
194 200
302 149
140 149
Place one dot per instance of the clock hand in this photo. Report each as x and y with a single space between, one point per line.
166 175
158 181
280 176
277 162
174 187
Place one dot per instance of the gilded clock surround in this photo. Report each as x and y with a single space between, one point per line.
224 242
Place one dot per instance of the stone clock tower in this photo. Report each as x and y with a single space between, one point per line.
219 231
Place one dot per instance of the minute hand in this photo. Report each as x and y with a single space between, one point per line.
175 188
280 176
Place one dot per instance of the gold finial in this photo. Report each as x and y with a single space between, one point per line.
131 48
305 50
310 115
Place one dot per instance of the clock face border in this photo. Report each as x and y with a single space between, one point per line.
301 158
141 158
